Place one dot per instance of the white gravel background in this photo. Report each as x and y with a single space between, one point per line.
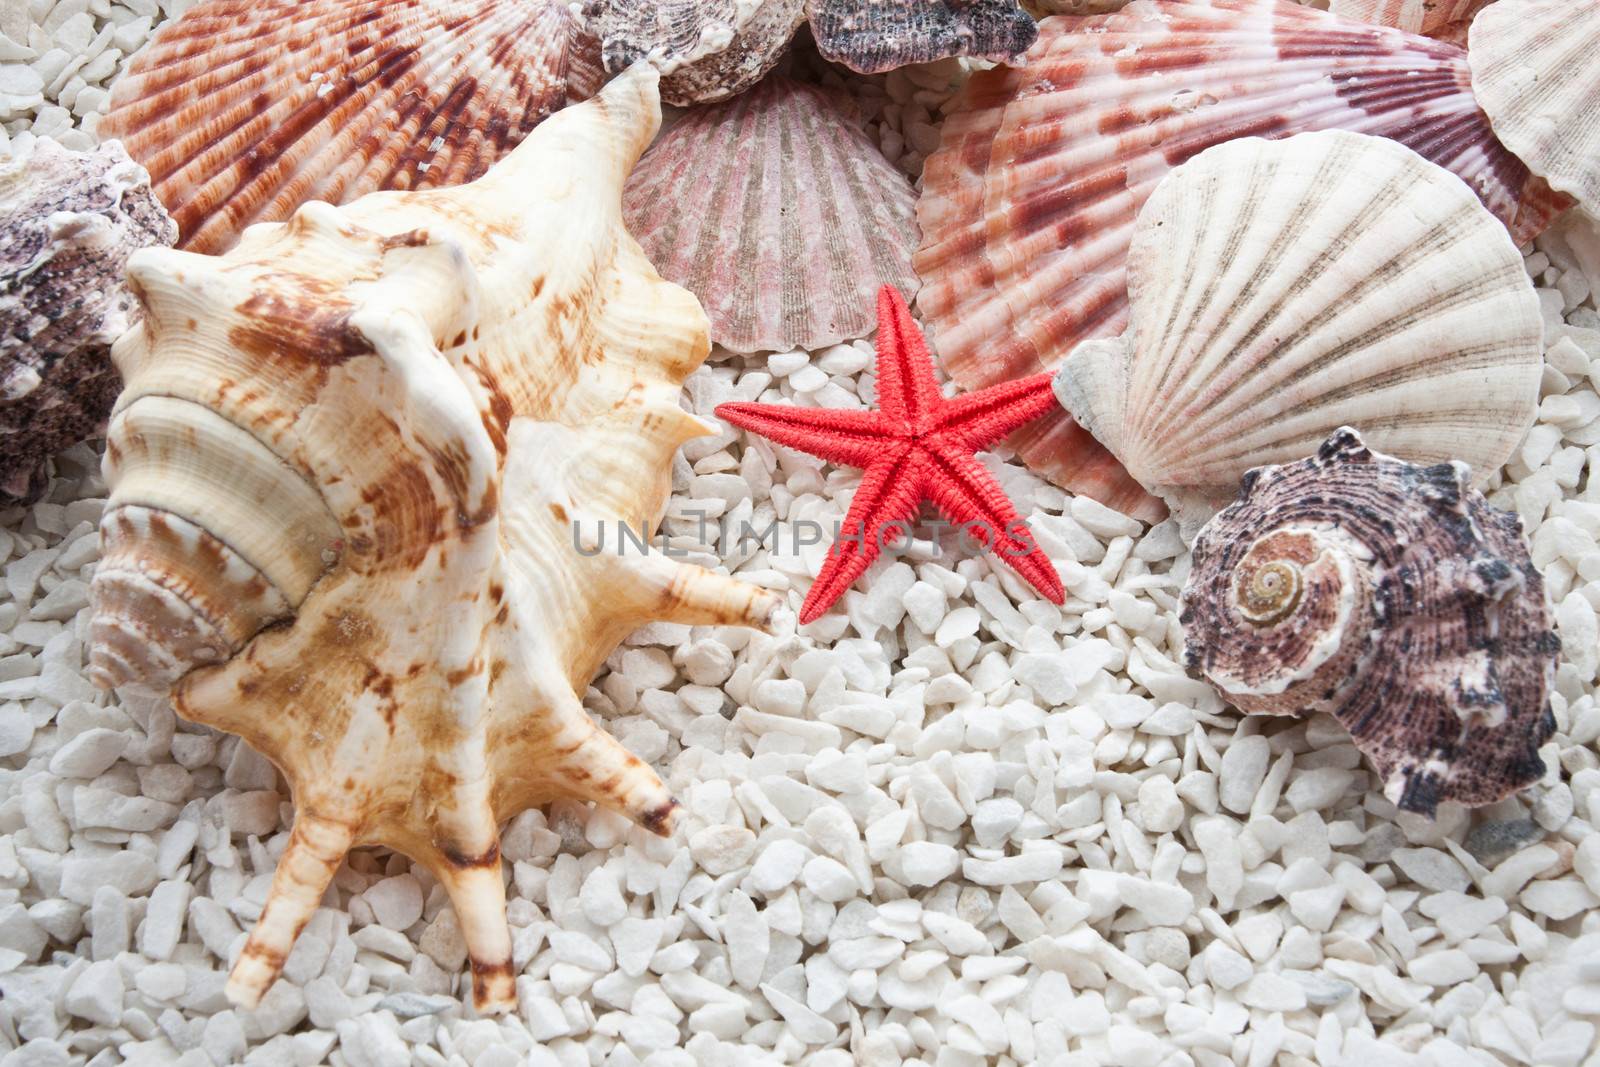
948 824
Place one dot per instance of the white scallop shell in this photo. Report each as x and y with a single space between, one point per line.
1536 72
242 110
1282 289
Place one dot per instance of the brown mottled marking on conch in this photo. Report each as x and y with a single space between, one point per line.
796 222
1393 597
400 431
1282 289
245 109
1029 203
872 36
706 50
68 223
1536 71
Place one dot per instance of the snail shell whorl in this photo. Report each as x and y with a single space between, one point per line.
1393 596
1300 601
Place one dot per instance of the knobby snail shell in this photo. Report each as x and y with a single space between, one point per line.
1393 596
345 473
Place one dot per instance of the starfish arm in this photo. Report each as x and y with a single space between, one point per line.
985 417
850 438
908 392
890 493
971 498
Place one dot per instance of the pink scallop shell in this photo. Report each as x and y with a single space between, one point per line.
242 110
775 210
1029 203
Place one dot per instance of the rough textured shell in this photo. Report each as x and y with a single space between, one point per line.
1393 597
1029 204
1421 329
796 223
1536 73
245 109
1436 18
872 36
68 222
419 407
706 50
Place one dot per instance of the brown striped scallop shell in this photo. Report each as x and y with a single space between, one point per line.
778 212
1444 19
1281 289
242 110
1029 203
1393 597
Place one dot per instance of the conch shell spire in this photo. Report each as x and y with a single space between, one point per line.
380 426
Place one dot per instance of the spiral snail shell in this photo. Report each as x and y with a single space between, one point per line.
1393 596
347 474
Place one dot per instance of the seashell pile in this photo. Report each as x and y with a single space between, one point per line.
1534 70
799 221
242 110
68 223
1423 332
1030 201
1393 597
417 407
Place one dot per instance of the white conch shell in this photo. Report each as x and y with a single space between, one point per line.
1536 73
1282 289
383 424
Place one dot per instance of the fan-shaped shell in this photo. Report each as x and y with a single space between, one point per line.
872 36
242 110
1282 289
1393 597
795 222
1536 71
402 429
68 223
706 50
1436 18
1029 203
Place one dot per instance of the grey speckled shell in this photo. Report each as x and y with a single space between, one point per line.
706 50
68 223
1394 597
872 36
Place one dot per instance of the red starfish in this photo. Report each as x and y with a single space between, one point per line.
918 446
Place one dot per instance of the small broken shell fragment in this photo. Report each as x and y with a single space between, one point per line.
1030 201
1536 71
1393 597
245 109
68 223
797 219
356 480
1251 341
706 50
872 36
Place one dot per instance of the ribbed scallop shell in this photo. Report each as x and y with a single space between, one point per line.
1436 18
1282 289
1536 71
1029 204
1393 597
778 212
706 50
872 36
401 430
68 223
242 110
